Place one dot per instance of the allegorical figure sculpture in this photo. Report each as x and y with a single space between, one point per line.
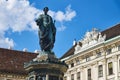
47 31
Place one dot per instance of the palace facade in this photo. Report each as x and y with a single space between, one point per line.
95 57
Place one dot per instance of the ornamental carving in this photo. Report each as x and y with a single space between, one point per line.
90 38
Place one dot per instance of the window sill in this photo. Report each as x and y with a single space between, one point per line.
111 74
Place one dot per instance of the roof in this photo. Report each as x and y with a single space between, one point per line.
110 33
69 52
12 61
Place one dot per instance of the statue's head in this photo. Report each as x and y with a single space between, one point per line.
46 9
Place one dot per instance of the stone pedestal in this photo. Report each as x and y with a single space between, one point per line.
45 67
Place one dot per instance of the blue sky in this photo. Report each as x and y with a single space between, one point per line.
73 19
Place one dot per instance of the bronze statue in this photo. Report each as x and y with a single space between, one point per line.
47 31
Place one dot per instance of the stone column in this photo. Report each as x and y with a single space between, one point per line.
95 70
104 69
69 76
115 67
82 73
47 77
75 76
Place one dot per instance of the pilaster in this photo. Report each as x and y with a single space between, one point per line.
115 66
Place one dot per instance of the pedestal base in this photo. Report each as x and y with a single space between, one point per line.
46 56
45 67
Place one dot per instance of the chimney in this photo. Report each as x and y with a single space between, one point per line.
10 47
37 51
74 42
25 50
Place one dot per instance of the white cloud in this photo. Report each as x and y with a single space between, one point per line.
69 13
62 28
19 15
60 16
6 42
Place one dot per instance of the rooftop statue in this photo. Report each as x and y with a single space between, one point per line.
47 31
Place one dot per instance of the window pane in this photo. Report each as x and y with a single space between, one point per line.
72 77
87 58
110 68
100 71
99 54
110 65
89 74
119 48
109 51
78 76
119 65
65 78
72 65
78 62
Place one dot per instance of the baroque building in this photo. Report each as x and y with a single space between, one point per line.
95 57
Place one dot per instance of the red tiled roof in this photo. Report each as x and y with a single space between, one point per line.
12 61
110 33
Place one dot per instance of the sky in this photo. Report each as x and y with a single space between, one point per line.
19 31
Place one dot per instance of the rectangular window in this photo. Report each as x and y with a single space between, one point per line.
110 68
78 75
72 64
87 58
51 77
119 48
109 51
60 79
99 54
77 62
119 65
72 77
100 71
65 78
89 74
